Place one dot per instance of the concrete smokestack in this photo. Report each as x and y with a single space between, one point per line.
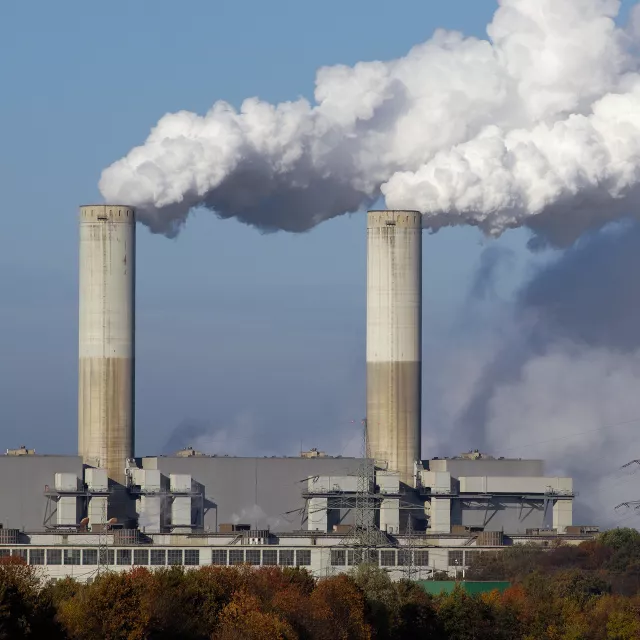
394 338
106 337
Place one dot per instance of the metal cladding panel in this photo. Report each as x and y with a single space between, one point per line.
394 338
390 515
96 479
389 482
333 484
488 467
438 481
67 511
181 511
180 482
318 515
149 479
262 492
24 505
510 484
106 337
97 510
66 482
473 484
149 514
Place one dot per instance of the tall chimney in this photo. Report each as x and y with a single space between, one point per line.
106 337
394 338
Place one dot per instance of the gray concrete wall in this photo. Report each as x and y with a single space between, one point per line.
485 467
262 492
22 482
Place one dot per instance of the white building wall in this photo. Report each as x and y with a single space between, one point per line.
390 515
440 515
562 515
317 519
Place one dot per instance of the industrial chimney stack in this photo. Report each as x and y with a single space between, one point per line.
106 338
394 338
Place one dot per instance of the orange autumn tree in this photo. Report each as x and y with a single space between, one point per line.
338 610
244 619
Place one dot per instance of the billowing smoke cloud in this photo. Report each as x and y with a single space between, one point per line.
555 373
537 126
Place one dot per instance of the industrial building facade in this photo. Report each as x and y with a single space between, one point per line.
105 509
196 510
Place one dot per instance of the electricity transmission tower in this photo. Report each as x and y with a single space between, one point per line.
103 541
631 504
365 537
409 568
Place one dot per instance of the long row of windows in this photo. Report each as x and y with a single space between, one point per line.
460 558
385 558
162 557
265 557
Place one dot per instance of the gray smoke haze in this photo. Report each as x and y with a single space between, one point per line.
538 126
555 372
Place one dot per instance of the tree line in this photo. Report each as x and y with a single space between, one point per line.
586 592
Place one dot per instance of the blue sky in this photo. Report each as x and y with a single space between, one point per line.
258 338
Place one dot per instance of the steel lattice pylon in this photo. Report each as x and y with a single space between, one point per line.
365 536
409 569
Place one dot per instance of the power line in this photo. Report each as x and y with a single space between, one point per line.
365 537
573 435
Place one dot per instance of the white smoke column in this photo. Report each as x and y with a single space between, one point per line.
527 126
579 410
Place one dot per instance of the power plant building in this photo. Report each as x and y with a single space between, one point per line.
195 509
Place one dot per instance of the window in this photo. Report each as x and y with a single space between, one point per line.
338 557
372 556
124 556
421 558
354 557
218 556
141 556
270 557
89 556
20 553
236 556
387 558
174 556
303 558
72 556
107 556
456 558
5 553
192 556
253 556
54 556
158 557
286 558
404 557
36 556
470 557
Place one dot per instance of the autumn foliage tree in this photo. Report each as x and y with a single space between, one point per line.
589 591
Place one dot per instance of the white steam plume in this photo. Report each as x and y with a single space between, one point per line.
537 126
